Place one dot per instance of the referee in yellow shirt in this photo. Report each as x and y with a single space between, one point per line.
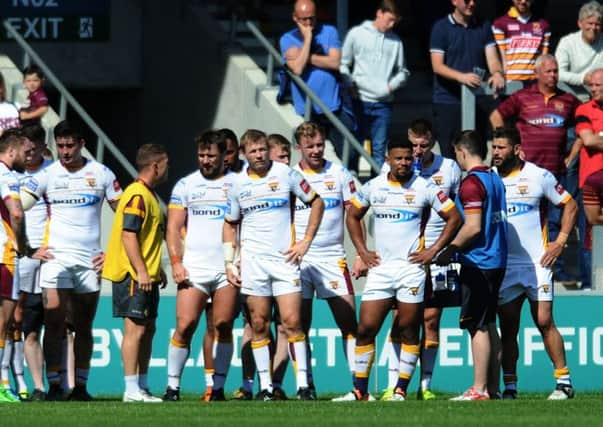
133 264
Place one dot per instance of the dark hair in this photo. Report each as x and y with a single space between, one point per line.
35 133
420 127
472 142
229 134
211 137
399 142
33 69
66 129
149 153
508 133
10 138
308 129
252 135
390 6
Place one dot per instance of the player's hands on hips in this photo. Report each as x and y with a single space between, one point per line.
551 254
424 257
43 254
179 273
370 258
359 268
144 281
296 252
232 275
445 257
98 261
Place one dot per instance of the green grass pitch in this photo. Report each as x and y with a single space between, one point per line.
530 410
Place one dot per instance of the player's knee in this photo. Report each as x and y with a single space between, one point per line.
223 328
186 326
545 324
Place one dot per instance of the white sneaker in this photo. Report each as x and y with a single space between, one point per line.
562 392
149 396
348 397
140 396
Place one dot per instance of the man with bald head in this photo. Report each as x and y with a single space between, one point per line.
313 52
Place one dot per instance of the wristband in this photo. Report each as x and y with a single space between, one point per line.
175 259
229 252
307 240
562 238
498 71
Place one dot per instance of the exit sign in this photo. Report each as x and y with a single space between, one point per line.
58 20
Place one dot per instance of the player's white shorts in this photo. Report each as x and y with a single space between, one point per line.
79 279
535 281
267 277
29 275
402 280
329 279
209 281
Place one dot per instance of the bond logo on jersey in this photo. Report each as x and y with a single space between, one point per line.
331 203
213 212
264 205
77 200
548 120
514 209
397 215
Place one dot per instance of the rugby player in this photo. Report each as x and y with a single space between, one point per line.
401 205
530 259
260 203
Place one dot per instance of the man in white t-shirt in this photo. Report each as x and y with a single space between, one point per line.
75 188
261 205
530 258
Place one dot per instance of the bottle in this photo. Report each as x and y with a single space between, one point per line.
452 278
417 166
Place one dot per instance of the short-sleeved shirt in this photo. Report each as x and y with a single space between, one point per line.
592 195
37 99
9 189
542 123
589 116
337 189
527 191
204 201
400 213
75 200
265 207
36 217
463 49
9 116
521 41
323 82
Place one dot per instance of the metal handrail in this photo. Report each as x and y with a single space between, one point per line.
66 99
311 97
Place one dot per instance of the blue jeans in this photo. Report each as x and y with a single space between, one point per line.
375 118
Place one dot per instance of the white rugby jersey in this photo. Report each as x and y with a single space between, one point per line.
265 206
35 218
526 190
336 187
401 213
9 189
205 203
75 200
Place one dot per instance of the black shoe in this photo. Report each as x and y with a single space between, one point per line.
37 395
80 394
242 394
312 388
55 393
304 393
509 394
171 395
279 394
264 395
217 395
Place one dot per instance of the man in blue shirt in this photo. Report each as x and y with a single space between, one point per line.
313 52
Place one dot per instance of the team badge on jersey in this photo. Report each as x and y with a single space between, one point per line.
410 198
90 179
546 288
273 185
334 284
523 189
329 184
414 290
437 180
536 28
559 106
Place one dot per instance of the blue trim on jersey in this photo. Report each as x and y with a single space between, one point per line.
489 250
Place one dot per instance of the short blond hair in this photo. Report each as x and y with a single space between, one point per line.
252 136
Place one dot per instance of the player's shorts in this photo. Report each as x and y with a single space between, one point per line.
210 282
480 296
9 282
267 277
400 280
33 313
536 282
130 301
77 278
328 279
29 275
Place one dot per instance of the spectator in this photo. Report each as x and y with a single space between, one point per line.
9 116
313 52
581 52
373 65
33 79
543 113
521 38
461 48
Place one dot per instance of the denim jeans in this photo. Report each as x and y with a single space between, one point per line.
374 121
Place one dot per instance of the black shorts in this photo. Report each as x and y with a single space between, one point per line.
479 297
33 313
130 301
